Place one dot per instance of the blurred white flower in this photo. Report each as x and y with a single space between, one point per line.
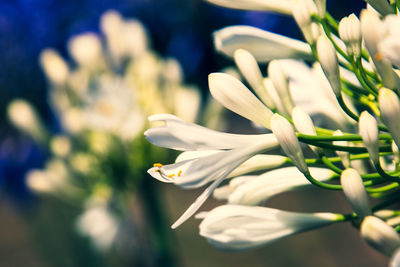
100 225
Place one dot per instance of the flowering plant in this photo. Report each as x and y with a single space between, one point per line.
343 79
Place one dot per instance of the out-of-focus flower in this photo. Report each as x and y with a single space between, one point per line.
102 99
354 191
380 235
98 223
24 116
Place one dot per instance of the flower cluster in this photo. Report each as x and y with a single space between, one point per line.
335 93
101 98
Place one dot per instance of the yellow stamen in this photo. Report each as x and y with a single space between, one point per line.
378 56
171 175
179 173
159 165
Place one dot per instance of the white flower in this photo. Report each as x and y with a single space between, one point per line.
302 11
368 129
180 135
281 85
380 235
54 66
254 190
329 63
281 6
355 193
263 45
304 124
343 155
390 44
232 94
195 172
86 50
243 227
390 110
350 33
258 162
99 224
24 116
312 92
395 260
372 32
321 6
288 141
248 66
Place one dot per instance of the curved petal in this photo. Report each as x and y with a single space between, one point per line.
232 94
180 135
255 191
263 45
193 173
243 227
281 6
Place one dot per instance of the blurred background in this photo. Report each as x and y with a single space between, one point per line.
104 170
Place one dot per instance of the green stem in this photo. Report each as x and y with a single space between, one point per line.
330 165
379 169
347 137
345 108
321 184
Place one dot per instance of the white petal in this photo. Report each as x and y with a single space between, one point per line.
180 135
242 227
263 45
255 191
196 172
248 66
203 197
282 6
355 193
380 235
288 141
231 93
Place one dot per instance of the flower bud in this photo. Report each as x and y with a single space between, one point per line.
350 33
329 63
231 93
380 235
281 84
372 28
389 105
395 260
287 138
23 116
54 66
86 49
302 12
343 155
355 193
303 123
368 129
321 7
248 66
